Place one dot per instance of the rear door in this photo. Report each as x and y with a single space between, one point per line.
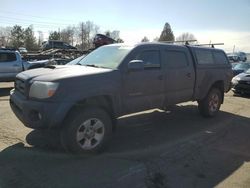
10 65
144 89
179 74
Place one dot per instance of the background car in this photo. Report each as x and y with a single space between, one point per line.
22 50
101 40
233 58
51 44
242 56
240 67
241 83
237 57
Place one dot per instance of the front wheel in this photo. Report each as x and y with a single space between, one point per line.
210 106
86 131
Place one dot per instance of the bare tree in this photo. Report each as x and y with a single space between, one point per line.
86 32
67 35
5 35
185 37
40 38
115 34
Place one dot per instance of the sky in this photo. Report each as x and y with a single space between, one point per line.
218 21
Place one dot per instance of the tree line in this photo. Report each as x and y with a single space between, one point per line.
80 36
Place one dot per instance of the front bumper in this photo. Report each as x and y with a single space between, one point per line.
36 114
243 87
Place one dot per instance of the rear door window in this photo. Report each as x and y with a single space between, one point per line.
220 58
176 59
7 57
204 57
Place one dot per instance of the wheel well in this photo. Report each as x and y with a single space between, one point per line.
105 102
219 85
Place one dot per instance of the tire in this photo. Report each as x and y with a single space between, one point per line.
86 131
210 106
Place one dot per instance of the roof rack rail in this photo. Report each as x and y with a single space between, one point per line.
187 42
210 44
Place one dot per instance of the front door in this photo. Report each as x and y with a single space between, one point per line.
144 89
9 65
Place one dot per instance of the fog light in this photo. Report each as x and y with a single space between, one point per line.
35 115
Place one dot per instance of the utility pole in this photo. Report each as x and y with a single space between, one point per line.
82 30
59 31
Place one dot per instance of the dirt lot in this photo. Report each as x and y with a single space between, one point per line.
153 149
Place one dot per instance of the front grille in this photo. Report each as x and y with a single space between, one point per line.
244 82
20 86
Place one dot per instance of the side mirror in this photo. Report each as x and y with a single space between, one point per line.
136 65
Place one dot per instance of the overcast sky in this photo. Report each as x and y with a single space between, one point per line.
209 20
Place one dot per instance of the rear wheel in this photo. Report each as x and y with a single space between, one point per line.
210 106
87 131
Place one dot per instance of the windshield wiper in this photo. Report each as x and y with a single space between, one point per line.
96 66
91 65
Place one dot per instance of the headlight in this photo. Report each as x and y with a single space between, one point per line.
235 80
43 90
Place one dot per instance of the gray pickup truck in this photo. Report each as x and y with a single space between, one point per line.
83 101
11 64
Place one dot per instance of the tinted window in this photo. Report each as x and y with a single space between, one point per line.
7 57
176 59
220 58
242 66
58 44
151 58
204 56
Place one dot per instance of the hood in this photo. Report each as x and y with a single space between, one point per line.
243 76
53 73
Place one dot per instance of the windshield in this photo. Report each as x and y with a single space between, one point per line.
106 56
248 71
242 66
75 61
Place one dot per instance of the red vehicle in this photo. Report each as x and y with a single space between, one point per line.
101 40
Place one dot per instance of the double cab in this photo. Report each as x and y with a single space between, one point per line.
83 101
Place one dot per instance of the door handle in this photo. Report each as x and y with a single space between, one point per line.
188 75
15 65
160 77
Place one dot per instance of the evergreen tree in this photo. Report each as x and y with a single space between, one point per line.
145 39
54 36
29 39
17 36
167 33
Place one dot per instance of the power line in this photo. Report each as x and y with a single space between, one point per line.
27 24
32 21
29 15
